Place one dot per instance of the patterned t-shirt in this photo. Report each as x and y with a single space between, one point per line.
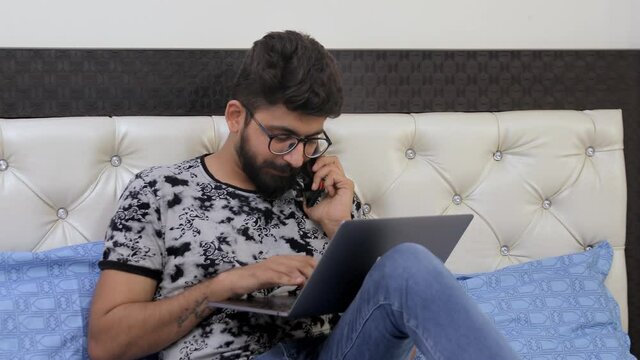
179 225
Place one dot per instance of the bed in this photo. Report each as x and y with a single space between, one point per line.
538 145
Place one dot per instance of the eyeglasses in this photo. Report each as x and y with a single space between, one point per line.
280 144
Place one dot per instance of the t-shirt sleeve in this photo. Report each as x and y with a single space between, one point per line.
134 241
356 208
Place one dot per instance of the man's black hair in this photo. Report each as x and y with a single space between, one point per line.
291 69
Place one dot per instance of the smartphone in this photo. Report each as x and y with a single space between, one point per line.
311 197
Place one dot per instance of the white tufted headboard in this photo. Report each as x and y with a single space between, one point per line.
540 183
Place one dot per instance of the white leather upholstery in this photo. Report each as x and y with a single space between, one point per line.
403 164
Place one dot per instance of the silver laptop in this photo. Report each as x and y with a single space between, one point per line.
356 246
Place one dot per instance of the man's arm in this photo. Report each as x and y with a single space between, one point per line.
126 324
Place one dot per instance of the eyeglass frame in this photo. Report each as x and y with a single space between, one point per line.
299 139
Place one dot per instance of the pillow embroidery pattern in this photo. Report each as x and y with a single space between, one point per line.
555 308
44 301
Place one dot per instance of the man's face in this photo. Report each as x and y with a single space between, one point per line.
273 175
270 178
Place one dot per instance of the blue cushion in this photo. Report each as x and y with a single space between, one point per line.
554 308
44 301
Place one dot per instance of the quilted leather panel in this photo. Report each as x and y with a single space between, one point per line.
545 195
543 158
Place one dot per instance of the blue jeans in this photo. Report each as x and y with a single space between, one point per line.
407 298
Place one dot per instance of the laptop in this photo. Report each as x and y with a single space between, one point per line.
356 246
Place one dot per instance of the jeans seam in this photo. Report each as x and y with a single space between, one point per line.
430 346
357 333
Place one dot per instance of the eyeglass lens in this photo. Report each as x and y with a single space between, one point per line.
285 144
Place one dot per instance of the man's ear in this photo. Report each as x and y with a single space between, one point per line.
235 115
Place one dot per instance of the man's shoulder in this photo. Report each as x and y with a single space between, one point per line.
173 174
156 178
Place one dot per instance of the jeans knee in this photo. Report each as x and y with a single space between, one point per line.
411 260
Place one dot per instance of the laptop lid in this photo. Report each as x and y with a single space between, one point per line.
358 244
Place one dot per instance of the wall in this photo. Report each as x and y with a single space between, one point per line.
344 24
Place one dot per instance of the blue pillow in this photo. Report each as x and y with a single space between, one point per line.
554 308
44 301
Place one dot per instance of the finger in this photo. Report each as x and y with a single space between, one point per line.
285 280
286 274
328 161
322 176
295 266
272 277
332 180
325 161
329 181
306 269
342 183
297 258
302 264
322 167
313 262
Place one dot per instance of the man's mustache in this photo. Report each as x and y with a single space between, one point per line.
283 169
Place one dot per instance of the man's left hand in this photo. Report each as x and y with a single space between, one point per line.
336 206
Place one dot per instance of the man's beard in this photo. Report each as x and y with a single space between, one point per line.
266 182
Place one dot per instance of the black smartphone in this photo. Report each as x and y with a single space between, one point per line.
311 197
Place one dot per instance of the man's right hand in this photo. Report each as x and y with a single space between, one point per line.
275 271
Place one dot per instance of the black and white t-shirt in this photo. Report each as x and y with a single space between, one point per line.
179 225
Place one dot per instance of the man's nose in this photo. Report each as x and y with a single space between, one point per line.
296 157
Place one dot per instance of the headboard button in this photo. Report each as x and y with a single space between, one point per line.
504 250
497 156
4 165
366 208
588 247
590 151
62 213
116 161
410 154
456 199
546 204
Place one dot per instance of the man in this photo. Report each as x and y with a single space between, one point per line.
232 223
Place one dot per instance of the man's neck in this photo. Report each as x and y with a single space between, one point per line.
225 166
